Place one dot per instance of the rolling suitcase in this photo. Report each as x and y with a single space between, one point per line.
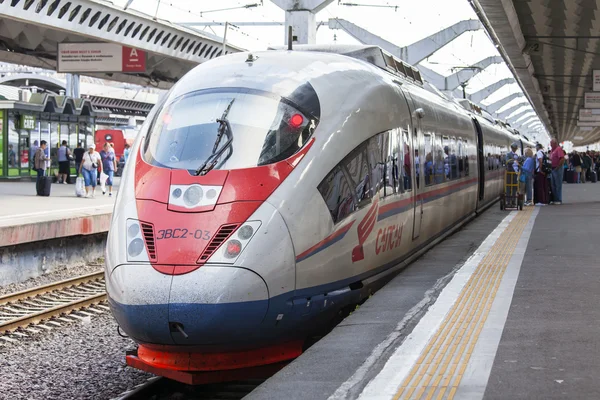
591 176
43 186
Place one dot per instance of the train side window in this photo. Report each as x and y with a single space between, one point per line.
460 157
428 165
439 166
375 151
393 156
407 162
452 160
466 157
337 195
497 157
359 173
446 155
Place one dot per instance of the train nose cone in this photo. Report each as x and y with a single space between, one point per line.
217 304
211 305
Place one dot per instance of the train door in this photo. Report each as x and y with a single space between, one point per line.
480 159
413 160
418 144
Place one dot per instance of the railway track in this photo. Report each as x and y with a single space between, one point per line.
164 389
43 303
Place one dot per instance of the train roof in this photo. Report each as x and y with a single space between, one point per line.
374 55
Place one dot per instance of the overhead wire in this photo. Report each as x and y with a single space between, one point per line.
235 28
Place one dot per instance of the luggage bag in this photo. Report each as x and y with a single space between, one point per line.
79 187
43 186
591 176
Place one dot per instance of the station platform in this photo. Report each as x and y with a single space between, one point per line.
25 217
506 308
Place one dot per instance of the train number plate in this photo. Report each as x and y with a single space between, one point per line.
183 233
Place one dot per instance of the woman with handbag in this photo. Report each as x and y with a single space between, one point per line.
89 169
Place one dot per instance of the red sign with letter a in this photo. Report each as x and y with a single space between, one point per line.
134 60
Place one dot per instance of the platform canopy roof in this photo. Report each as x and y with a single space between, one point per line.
553 47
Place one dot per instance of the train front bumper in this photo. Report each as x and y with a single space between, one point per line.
213 305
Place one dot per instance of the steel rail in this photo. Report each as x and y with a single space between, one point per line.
41 303
27 293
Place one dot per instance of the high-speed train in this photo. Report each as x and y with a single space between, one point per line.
268 191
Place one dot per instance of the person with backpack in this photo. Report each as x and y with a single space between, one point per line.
540 192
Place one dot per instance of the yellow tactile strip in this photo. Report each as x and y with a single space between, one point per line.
440 368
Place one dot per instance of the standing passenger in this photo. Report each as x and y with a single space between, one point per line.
557 157
576 164
89 169
586 165
109 165
79 152
540 192
39 161
527 170
63 162
126 153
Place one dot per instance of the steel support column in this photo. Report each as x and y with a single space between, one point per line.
487 91
495 106
505 114
458 78
416 52
301 16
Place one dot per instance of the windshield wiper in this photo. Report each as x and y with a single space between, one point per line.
224 130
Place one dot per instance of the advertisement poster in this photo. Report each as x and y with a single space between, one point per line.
589 114
99 57
592 100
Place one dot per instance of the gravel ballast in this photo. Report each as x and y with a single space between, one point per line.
80 360
56 275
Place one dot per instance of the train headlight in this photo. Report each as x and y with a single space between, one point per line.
192 196
245 232
135 247
133 230
135 242
235 244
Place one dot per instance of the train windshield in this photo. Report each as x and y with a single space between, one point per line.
227 130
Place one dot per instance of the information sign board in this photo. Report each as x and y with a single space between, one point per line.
99 57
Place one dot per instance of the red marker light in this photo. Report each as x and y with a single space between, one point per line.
296 121
233 249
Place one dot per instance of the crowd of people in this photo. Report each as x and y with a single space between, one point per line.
542 172
89 164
